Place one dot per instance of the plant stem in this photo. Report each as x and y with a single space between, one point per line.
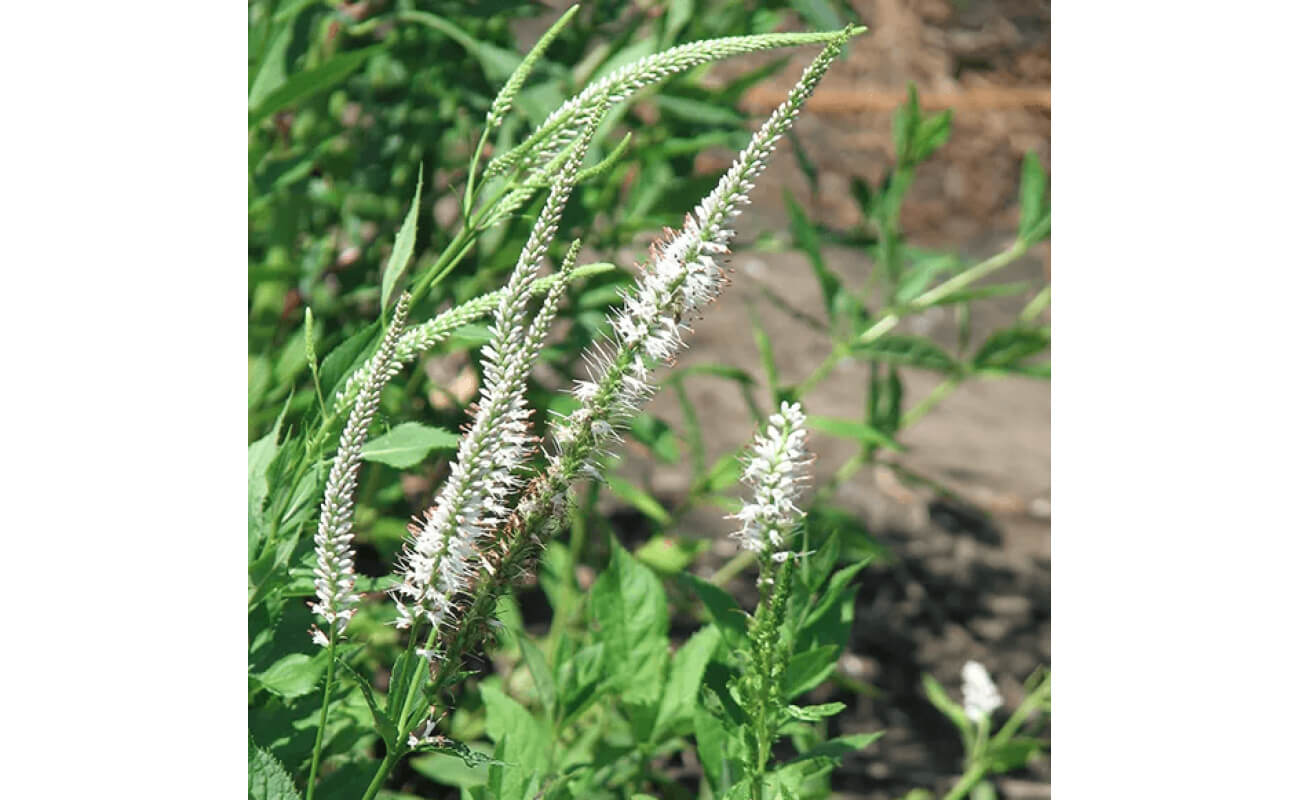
974 774
943 290
936 394
473 170
324 717
733 568
381 775
839 351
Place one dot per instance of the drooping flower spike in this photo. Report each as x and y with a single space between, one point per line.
685 273
335 577
442 557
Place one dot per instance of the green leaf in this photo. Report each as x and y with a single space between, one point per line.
710 745
540 670
451 770
403 246
1012 754
270 70
670 554
522 745
698 112
1009 348
724 473
768 359
906 121
344 359
657 435
839 747
497 62
947 706
809 668
922 272
629 605
408 444
931 134
683 686
815 713
723 610
984 790
818 14
309 82
806 238
267 777
856 431
1035 211
913 351
260 455
293 676
640 500
387 730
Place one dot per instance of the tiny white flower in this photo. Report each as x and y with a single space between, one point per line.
979 696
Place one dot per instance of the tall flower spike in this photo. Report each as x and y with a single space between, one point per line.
683 275
777 470
335 579
565 123
441 559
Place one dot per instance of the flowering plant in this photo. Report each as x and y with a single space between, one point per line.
383 674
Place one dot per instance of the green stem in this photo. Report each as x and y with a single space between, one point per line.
1037 305
943 290
838 353
473 171
381 775
1021 713
964 279
324 717
973 775
922 408
733 568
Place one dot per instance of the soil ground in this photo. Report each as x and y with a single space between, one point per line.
971 578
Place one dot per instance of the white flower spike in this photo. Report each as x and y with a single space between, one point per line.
335 576
777 471
980 697
443 555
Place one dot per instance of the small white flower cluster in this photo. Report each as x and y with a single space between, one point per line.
980 697
440 561
335 576
777 471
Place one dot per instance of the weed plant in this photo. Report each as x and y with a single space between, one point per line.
385 657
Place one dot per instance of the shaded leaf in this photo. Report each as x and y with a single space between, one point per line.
408 444
856 431
403 245
912 351
267 777
639 500
293 676
308 82
683 685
